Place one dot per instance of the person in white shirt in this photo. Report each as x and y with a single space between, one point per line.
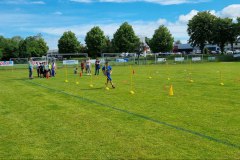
88 66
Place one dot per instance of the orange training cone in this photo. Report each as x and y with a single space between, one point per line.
171 91
47 76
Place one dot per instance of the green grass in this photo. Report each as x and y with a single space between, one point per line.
51 119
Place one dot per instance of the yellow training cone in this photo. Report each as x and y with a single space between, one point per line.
171 91
132 92
107 88
222 84
77 83
91 85
66 81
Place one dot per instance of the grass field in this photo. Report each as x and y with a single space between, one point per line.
51 119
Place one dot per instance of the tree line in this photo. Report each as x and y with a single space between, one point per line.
17 47
124 40
204 28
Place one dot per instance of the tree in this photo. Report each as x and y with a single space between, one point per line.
205 51
109 46
200 29
125 40
238 27
178 42
23 49
147 40
82 49
223 32
235 30
95 41
33 46
2 46
162 40
68 43
0 54
9 47
140 50
233 33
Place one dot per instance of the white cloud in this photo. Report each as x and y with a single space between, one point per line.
19 2
178 28
187 17
231 11
58 13
82 1
162 2
141 28
37 2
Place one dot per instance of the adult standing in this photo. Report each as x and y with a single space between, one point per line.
38 69
30 67
53 69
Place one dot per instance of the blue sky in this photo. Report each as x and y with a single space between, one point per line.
52 17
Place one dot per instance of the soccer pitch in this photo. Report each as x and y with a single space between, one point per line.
51 119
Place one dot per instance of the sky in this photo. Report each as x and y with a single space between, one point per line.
52 18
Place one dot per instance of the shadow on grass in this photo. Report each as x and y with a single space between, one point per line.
179 128
93 89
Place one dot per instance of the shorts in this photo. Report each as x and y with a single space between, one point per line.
97 66
87 67
109 77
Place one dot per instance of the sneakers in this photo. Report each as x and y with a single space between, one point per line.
112 85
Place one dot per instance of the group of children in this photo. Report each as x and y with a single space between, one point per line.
87 66
106 69
45 70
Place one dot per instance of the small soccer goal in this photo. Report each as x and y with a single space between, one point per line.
37 60
58 58
119 58
19 60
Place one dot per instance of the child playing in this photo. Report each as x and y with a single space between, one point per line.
82 66
97 66
75 70
107 71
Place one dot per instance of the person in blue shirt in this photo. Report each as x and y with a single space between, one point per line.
107 71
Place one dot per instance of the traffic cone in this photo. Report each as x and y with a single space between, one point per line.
47 75
171 91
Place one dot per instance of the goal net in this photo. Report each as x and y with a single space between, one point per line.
119 58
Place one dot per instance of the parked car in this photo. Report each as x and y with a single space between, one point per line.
215 52
236 51
229 52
